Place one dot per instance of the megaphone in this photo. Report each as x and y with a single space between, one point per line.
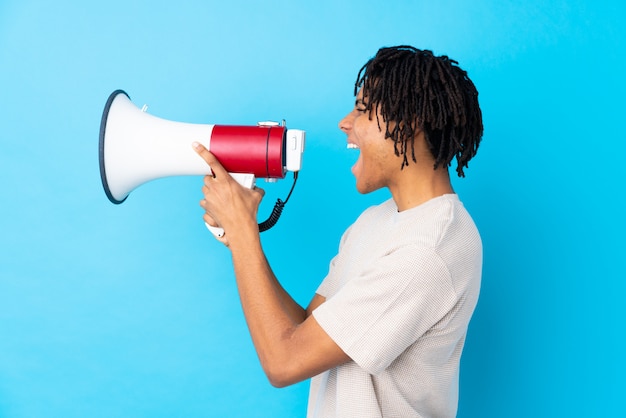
136 147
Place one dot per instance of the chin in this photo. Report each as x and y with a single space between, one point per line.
365 188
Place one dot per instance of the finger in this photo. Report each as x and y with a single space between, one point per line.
210 159
209 220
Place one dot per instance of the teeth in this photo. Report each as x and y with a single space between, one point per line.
353 146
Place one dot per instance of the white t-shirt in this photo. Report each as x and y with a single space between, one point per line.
399 296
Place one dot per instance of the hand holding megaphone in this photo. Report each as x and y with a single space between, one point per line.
245 180
222 198
136 147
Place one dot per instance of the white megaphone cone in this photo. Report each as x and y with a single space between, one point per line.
136 147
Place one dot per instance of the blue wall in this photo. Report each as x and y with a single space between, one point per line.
132 311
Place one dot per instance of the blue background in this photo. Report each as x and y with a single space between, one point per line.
132 311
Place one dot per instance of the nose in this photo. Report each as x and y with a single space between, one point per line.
345 124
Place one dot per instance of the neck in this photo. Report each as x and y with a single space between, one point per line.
418 183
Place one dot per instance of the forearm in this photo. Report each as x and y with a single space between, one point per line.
271 314
296 312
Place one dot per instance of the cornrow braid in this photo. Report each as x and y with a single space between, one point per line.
417 90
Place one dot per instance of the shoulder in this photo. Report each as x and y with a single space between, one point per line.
439 218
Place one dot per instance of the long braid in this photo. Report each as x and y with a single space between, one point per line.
415 90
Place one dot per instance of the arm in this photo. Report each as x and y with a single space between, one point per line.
289 342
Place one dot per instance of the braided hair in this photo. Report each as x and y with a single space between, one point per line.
415 90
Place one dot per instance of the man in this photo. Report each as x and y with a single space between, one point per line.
383 335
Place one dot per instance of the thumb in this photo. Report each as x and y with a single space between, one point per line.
259 191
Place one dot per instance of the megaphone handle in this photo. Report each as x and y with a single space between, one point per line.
215 230
246 180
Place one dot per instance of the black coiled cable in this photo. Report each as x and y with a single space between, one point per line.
278 208
271 221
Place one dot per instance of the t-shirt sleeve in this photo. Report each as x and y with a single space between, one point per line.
376 316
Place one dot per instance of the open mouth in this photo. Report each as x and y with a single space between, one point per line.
353 146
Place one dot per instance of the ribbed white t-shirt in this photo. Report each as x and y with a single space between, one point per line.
399 297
